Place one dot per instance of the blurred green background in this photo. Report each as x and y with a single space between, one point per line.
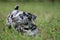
48 19
33 0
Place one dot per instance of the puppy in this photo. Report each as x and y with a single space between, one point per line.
22 21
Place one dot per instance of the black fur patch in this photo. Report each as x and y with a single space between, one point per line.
21 16
33 27
24 13
29 16
16 8
11 16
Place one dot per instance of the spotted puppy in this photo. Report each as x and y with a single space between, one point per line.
22 21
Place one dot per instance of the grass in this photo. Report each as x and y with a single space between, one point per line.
48 20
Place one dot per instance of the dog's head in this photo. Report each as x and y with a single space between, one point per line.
14 13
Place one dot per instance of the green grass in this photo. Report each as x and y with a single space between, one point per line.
48 20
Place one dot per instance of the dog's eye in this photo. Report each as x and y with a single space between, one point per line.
11 16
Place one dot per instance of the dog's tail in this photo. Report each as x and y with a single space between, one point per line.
16 7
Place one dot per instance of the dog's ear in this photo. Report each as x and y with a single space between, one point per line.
16 7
